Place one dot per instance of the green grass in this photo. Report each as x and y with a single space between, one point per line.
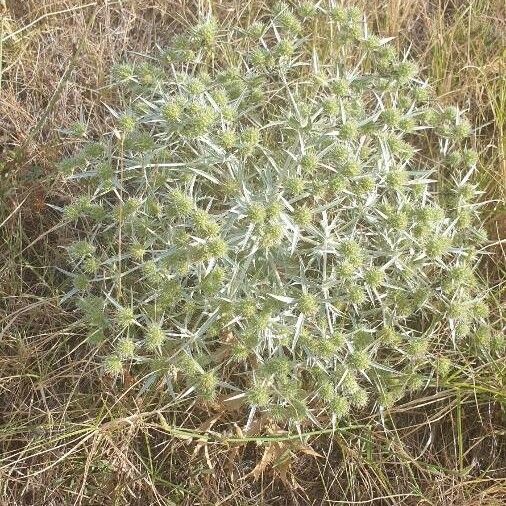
68 439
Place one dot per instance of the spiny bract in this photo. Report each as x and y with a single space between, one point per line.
265 222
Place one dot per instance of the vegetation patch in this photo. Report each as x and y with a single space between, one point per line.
266 222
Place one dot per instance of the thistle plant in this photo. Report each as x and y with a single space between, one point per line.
265 222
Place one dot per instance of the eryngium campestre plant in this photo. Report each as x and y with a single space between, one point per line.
281 215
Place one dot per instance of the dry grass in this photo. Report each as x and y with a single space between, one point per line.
69 437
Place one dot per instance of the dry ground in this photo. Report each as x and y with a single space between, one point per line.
68 436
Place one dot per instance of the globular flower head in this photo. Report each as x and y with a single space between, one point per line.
81 249
359 398
351 251
217 247
272 235
81 282
295 185
113 365
356 294
257 213
360 360
374 277
125 348
303 215
125 316
308 304
154 336
339 406
390 337
205 33
258 395
396 179
256 29
309 162
206 385
437 247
